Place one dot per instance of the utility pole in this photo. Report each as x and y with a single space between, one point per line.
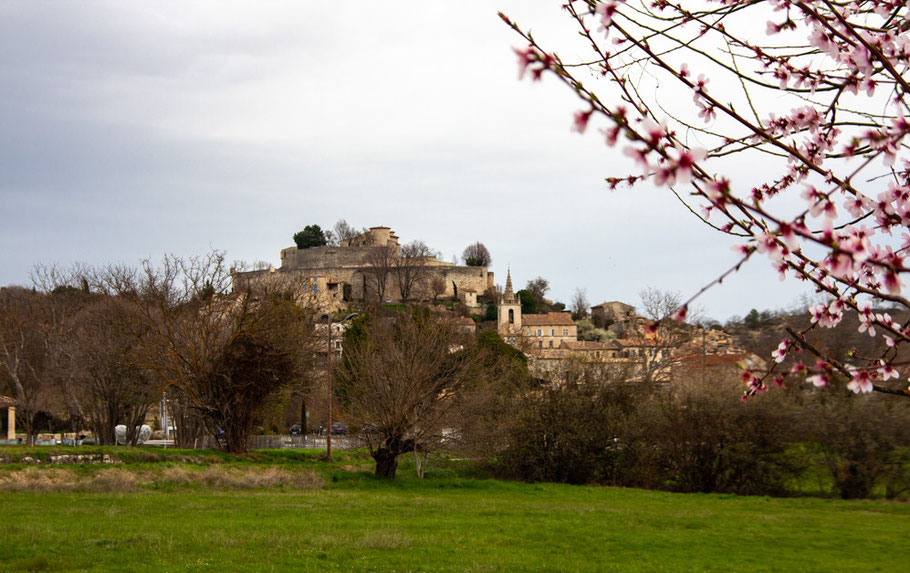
328 439
331 350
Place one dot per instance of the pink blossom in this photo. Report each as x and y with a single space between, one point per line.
886 371
781 351
818 380
681 313
581 120
860 381
707 112
607 10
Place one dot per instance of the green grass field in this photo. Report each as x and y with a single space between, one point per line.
345 520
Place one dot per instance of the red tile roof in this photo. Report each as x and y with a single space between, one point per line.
548 319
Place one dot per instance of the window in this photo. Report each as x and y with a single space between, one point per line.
511 316
540 344
552 332
551 344
565 332
539 332
304 288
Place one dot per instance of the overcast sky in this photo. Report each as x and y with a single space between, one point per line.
131 129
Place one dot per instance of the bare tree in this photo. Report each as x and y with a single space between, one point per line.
379 263
580 303
25 359
538 288
477 255
659 305
437 287
105 366
410 267
401 378
223 354
342 231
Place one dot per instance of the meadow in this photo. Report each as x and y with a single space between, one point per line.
283 511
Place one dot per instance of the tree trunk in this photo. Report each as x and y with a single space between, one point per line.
386 462
386 455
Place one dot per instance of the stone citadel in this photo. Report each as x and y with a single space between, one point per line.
369 266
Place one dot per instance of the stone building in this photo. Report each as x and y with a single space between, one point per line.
615 315
549 330
532 331
362 268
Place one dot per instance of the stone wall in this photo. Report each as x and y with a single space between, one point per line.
324 257
294 278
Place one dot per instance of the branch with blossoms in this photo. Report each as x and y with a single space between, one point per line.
818 99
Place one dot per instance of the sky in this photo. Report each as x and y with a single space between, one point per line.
133 129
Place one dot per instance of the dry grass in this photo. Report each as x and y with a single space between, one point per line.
34 479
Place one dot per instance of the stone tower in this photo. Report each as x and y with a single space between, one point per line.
509 311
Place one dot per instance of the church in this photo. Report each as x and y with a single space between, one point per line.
532 331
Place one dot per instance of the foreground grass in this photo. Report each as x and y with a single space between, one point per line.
354 522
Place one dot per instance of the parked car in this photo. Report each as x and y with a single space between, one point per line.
296 430
339 429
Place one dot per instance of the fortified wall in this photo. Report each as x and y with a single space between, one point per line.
333 276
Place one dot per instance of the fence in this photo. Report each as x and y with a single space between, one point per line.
311 441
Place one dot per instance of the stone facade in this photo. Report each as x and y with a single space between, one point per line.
532 332
549 330
345 274
509 313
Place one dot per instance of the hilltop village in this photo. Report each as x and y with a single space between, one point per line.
373 266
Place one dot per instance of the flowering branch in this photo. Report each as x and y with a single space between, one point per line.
826 93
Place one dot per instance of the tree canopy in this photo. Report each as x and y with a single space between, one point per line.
477 255
310 236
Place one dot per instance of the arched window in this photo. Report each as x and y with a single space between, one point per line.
511 316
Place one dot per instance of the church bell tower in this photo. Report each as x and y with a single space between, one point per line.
509 311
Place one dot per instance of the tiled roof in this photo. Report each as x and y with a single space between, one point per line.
548 319
720 359
611 303
589 345
638 342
